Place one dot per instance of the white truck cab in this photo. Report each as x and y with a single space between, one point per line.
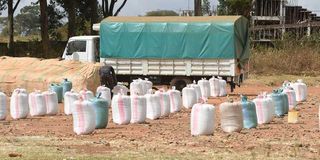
82 48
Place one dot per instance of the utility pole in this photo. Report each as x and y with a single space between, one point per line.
197 8
10 28
44 28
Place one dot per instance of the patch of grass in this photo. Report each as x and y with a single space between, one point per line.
295 61
45 148
21 38
277 80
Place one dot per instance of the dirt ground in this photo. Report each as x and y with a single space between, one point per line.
52 137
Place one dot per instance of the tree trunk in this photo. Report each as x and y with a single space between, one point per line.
44 28
10 29
94 14
197 8
71 18
105 8
112 3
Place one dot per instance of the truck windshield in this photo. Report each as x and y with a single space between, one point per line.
76 46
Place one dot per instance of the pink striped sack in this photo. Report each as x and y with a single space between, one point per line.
19 107
301 90
84 117
175 100
205 88
69 98
202 119
3 106
291 97
264 108
189 97
137 87
37 104
164 102
105 93
51 100
153 106
223 87
86 94
197 89
121 109
214 87
138 109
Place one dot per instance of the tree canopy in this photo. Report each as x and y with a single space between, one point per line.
162 13
28 20
206 7
234 7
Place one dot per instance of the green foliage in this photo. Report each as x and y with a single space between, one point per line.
162 13
28 20
235 7
5 30
206 7
83 14
3 20
55 17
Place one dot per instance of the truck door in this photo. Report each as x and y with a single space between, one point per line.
77 51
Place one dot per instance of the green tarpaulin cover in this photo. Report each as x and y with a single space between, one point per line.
218 37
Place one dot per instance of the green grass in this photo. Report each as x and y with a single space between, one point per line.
21 38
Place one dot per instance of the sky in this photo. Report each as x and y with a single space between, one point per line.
140 7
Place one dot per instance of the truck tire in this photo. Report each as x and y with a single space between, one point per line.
180 82
108 76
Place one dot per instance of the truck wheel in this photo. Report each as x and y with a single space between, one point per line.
180 83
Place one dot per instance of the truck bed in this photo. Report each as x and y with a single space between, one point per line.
173 67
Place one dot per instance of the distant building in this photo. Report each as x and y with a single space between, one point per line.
271 19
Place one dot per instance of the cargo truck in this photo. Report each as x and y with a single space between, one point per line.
168 50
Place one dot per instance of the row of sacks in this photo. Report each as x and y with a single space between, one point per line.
71 96
246 114
43 103
214 87
234 115
36 103
300 89
136 108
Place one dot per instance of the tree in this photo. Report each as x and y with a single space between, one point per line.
108 10
55 16
70 7
197 8
162 13
235 7
206 7
94 13
11 9
44 27
27 21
